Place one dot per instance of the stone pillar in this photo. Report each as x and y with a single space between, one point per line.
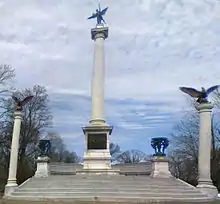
97 158
42 167
160 167
12 176
98 80
205 138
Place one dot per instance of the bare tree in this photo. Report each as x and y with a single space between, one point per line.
131 156
7 73
59 153
70 157
115 151
57 146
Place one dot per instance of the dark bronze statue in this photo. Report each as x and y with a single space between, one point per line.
200 95
44 147
20 103
98 15
159 144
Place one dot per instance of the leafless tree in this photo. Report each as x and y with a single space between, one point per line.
7 73
115 151
131 157
59 153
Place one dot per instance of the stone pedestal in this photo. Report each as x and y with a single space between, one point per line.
97 158
160 168
42 167
205 137
12 176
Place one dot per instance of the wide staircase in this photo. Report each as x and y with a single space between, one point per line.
120 188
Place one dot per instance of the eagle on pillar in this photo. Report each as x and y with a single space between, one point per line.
200 95
20 103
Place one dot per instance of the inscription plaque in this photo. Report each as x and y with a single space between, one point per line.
97 141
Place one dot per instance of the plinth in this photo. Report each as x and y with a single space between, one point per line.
160 167
42 167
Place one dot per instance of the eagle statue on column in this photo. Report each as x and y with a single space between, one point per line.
200 95
21 103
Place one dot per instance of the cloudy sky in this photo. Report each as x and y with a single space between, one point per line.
154 46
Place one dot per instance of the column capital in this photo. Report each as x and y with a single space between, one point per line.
17 114
101 32
204 107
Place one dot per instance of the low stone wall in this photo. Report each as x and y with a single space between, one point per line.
143 168
64 168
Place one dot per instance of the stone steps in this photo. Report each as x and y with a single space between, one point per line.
86 189
107 188
110 182
107 194
118 198
134 186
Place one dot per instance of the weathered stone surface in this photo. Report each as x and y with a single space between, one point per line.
42 167
108 188
160 168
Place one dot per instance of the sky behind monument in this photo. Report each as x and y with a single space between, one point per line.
154 46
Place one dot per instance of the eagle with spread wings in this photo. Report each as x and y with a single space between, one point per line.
200 95
99 13
20 103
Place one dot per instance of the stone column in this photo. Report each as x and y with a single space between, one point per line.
97 158
205 138
98 81
12 176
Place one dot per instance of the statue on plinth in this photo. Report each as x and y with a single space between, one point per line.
99 15
159 144
200 95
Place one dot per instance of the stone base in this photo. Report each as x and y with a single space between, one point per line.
160 168
97 159
208 189
42 167
9 190
98 172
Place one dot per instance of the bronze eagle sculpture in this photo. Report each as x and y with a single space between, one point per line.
200 95
20 103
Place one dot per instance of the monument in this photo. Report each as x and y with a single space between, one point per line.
12 175
160 166
205 137
97 158
129 183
